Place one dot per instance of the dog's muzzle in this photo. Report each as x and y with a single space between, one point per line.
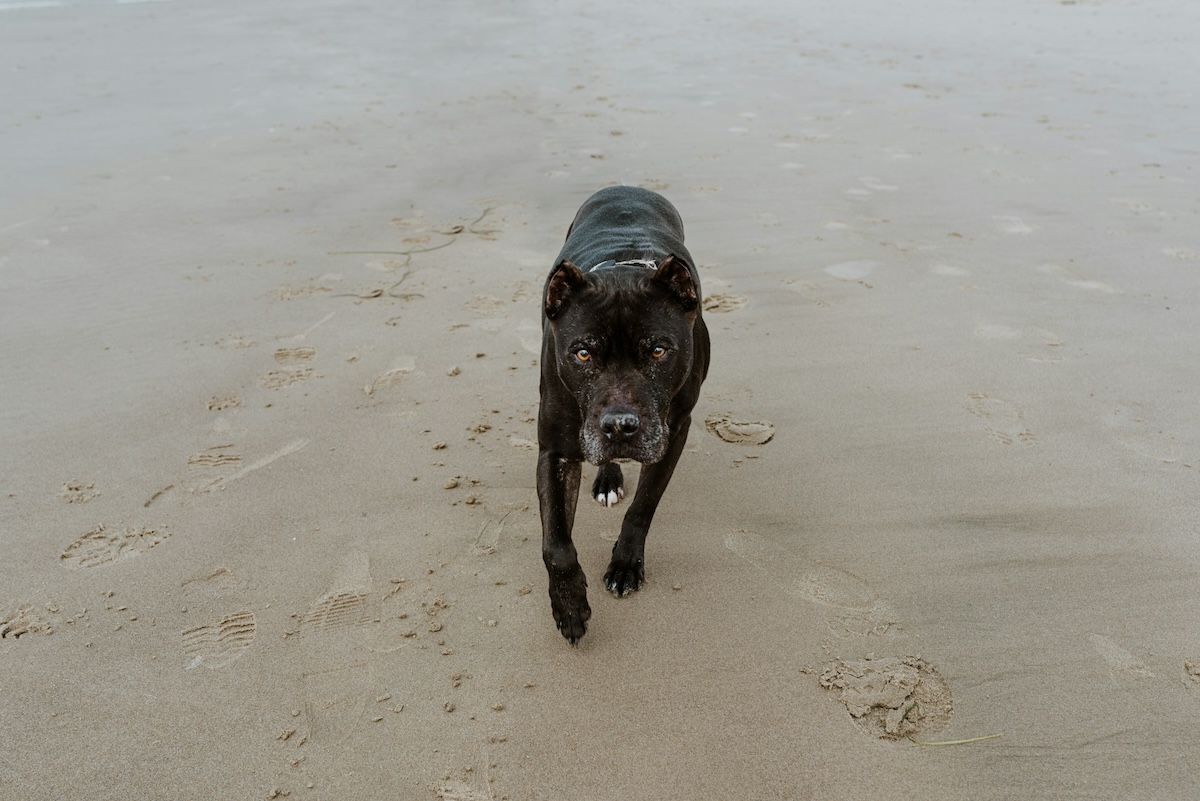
622 433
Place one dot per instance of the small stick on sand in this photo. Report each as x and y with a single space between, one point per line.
957 742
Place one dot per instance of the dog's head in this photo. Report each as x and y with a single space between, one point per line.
620 339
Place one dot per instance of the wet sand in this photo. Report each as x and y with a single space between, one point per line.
270 278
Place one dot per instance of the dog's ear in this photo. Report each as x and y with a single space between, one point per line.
675 275
565 281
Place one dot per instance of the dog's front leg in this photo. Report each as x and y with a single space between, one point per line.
626 571
558 493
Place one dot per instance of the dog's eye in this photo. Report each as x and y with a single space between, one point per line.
583 354
658 352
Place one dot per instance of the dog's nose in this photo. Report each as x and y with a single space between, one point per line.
619 425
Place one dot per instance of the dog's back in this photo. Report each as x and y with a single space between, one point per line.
625 222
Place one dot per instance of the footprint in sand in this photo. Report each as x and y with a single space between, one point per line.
302 291
826 295
78 492
217 644
720 303
1131 426
21 622
489 534
295 370
280 379
507 518
220 465
338 609
461 791
740 432
1191 674
487 306
209 467
521 443
1120 662
335 701
854 607
339 634
1137 206
219 403
527 331
875 185
1041 346
235 341
214 584
391 377
994 331
852 270
102 546
1073 279
227 634
1006 420
337 674
891 697
295 355
1036 344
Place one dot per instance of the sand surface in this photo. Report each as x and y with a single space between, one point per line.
269 279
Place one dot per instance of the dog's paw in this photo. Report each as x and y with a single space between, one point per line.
609 487
568 603
624 577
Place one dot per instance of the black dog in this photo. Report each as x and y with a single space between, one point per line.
624 351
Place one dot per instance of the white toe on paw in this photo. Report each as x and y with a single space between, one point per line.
613 497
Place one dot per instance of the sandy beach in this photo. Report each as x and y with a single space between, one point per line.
269 289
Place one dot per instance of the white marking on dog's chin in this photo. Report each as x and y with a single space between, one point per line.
650 448
592 444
